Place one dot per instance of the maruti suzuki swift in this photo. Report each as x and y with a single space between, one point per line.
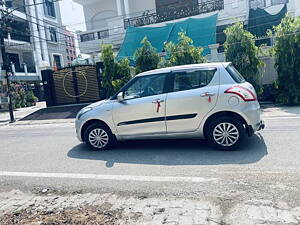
206 101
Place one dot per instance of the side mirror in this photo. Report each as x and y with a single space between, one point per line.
120 97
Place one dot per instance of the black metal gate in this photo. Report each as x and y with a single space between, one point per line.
72 85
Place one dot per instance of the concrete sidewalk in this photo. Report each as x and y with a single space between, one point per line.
39 114
112 209
20 113
280 111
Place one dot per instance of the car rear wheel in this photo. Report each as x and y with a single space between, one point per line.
226 133
98 137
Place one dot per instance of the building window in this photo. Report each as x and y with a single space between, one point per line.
49 8
87 37
68 57
103 34
53 34
18 5
56 61
19 30
14 59
67 50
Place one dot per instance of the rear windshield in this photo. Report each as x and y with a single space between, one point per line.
236 76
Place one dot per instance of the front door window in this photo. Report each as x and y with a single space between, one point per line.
146 86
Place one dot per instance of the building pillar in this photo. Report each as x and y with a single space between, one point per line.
119 7
126 6
25 69
13 68
214 52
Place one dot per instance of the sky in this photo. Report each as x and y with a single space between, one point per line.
72 15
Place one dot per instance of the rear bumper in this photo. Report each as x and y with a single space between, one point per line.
259 126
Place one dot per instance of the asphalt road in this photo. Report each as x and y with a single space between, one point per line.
49 156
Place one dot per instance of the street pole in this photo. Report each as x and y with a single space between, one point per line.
6 67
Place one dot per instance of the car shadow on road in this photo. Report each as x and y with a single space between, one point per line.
174 152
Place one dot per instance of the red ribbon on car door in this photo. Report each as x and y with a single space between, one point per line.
158 105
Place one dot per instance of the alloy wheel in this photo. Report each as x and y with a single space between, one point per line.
226 134
98 138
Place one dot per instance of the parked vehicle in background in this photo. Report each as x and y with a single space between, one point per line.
211 101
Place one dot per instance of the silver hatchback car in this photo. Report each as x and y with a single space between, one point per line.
211 101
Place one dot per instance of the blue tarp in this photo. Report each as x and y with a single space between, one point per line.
201 31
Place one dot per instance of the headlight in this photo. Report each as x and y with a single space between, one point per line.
83 111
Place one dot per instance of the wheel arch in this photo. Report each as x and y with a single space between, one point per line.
224 113
90 122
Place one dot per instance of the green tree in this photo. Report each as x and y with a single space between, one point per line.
287 59
123 74
184 52
146 57
240 49
109 72
115 74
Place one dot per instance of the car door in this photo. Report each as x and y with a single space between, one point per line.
143 110
193 95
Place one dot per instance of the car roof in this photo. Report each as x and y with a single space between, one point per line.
185 67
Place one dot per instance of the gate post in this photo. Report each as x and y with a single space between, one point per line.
49 87
75 84
99 70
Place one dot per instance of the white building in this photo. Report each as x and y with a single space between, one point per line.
35 39
107 20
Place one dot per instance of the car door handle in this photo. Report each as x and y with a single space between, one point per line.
207 94
157 101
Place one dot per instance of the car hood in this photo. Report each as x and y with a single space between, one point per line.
97 104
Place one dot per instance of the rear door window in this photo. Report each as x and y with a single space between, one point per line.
187 80
234 73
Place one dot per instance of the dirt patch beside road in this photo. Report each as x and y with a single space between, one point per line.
76 216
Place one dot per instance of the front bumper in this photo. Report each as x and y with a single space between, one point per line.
78 125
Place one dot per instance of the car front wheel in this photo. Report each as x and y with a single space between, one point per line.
98 137
226 133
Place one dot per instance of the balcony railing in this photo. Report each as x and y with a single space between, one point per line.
151 17
263 3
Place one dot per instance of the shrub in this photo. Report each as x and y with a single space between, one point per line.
115 74
146 57
184 52
287 59
240 49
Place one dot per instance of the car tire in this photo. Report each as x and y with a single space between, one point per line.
99 137
225 133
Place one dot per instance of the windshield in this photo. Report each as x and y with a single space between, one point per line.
235 74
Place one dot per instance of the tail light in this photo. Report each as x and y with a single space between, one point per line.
246 94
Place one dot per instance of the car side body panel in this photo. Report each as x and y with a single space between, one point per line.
183 123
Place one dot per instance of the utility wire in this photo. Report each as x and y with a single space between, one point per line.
255 39
217 33
59 41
